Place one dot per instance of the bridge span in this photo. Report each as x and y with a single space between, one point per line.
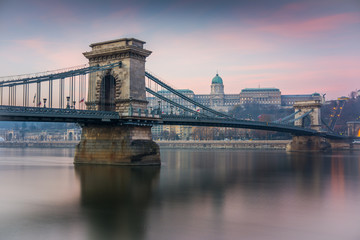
35 114
107 98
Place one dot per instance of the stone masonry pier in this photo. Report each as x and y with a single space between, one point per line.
117 145
121 90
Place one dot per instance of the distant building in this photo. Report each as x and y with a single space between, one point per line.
41 135
218 100
165 107
268 96
181 132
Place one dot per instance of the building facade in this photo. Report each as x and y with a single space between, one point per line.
218 100
268 96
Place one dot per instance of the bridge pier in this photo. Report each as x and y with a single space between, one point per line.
309 115
308 143
316 143
311 111
117 145
121 90
341 144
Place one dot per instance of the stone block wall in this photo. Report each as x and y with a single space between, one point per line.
117 145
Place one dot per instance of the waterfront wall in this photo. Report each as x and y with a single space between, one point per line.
271 144
42 144
258 144
117 145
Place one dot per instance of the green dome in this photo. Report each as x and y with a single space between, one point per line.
217 79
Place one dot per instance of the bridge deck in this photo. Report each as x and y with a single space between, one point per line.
37 114
231 123
14 113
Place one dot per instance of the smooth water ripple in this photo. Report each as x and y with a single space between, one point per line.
195 194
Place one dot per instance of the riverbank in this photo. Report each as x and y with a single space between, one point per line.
259 144
44 144
233 144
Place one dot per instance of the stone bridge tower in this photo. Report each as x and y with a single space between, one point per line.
121 89
116 89
313 118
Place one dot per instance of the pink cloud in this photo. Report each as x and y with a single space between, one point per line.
242 40
294 7
33 43
291 11
309 27
324 74
121 23
280 66
337 75
209 46
48 55
186 60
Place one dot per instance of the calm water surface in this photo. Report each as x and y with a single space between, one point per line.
194 195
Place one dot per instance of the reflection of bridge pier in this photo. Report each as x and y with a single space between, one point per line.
115 199
120 89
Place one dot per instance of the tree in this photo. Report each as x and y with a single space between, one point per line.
173 136
165 135
252 111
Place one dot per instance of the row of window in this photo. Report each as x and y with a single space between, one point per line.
264 102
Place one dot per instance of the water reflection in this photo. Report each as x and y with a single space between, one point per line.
307 174
115 200
269 195
213 194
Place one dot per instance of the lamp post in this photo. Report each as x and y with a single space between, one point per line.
159 109
67 102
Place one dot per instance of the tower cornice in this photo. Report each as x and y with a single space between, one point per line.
117 53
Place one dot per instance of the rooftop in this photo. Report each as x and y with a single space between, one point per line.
260 90
217 80
300 95
117 40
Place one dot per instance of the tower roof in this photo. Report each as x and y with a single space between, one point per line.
217 79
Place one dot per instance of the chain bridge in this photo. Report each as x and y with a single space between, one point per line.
108 98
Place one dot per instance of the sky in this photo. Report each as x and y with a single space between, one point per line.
299 46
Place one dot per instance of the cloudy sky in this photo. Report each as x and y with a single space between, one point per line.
297 46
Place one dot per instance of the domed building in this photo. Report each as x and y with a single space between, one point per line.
217 99
217 86
217 93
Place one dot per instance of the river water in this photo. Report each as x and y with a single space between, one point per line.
195 194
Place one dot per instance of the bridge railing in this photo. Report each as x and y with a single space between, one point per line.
62 88
55 112
23 77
